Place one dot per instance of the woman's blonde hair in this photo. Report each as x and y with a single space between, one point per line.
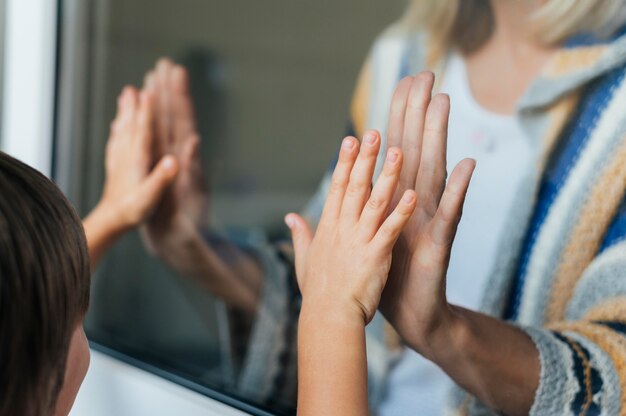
467 24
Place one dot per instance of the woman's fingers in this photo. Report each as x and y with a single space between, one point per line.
397 111
414 121
450 209
144 121
301 235
340 179
154 185
183 119
390 230
377 206
431 178
163 103
361 177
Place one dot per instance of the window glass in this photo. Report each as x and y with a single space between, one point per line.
271 83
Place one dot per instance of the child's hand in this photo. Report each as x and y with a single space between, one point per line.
343 268
133 187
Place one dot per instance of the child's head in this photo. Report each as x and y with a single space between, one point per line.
44 294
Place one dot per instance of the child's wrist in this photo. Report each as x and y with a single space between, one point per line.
110 218
332 311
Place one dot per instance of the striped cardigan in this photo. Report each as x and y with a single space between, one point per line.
561 273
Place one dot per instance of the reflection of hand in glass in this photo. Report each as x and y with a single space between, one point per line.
342 272
132 189
174 230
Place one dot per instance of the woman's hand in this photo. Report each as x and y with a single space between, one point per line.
414 300
344 267
184 207
132 187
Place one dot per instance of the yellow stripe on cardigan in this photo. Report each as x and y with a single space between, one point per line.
613 344
609 310
572 60
588 233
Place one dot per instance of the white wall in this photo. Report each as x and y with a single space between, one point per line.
28 102
114 388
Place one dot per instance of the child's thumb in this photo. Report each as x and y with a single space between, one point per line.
301 235
158 180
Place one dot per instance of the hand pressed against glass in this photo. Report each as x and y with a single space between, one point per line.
184 207
345 265
495 361
415 297
341 272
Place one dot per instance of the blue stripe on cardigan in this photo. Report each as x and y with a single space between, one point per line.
565 155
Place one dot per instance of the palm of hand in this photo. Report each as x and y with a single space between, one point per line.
414 300
344 267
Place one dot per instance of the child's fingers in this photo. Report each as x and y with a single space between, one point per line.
130 103
431 178
450 209
152 188
414 121
389 232
340 179
126 103
384 189
361 177
301 235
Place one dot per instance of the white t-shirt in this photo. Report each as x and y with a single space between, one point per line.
497 142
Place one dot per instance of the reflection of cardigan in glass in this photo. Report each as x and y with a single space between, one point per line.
561 273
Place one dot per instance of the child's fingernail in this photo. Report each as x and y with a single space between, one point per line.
168 163
408 198
289 221
392 156
348 144
369 138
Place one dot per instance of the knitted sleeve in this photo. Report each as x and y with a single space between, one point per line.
583 358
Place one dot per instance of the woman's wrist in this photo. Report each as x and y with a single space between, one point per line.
439 341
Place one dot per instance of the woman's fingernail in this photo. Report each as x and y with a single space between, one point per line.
392 156
369 138
408 198
348 144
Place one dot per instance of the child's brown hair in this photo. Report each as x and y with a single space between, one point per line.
44 288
